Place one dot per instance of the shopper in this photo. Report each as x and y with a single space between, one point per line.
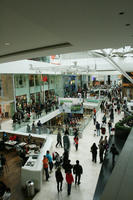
68 167
65 158
105 143
29 139
94 111
101 140
66 142
94 152
28 128
112 115
118 108
77 170
39 125
114 152
101 152
50 161
109 127
76 141
94 119
69 180
45 167
59 139
58 160
75 132
98 128
104 119
59 179
33 127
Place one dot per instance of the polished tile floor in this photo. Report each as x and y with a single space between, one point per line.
85 191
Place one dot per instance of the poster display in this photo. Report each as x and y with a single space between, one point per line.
71 105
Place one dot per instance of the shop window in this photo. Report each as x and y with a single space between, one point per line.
37 80
31 80
20 81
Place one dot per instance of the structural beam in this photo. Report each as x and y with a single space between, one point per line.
110 60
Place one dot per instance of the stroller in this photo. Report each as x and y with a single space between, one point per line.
58 159
103 130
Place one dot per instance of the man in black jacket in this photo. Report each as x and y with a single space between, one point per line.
77 170
114 152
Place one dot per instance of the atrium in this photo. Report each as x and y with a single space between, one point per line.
64 66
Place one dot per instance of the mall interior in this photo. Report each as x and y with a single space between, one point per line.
66 86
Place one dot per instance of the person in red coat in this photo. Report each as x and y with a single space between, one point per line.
76 141
69 180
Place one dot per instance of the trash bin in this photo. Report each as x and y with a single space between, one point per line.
30 188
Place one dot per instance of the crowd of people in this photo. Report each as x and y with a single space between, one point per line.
26 111
103 129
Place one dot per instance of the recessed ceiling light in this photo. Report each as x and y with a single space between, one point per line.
127 24
7 43
121 13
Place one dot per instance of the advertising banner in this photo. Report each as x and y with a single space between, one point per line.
71 105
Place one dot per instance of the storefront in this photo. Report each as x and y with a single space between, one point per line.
6 109
49 94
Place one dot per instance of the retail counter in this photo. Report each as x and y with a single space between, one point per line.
33 168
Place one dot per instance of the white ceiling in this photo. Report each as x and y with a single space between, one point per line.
30 28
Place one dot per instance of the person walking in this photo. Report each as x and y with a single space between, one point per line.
59 179
106 144
68 167
77 170
59 139
109 127
66 143
101 152
76 141
39 126
101 140
94 111
28 128
94 119
114 152
98 128
104 119
33 127
94 152
112 115
45 167
69 180
50 161
118 108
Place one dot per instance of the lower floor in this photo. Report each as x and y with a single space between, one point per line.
89 177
